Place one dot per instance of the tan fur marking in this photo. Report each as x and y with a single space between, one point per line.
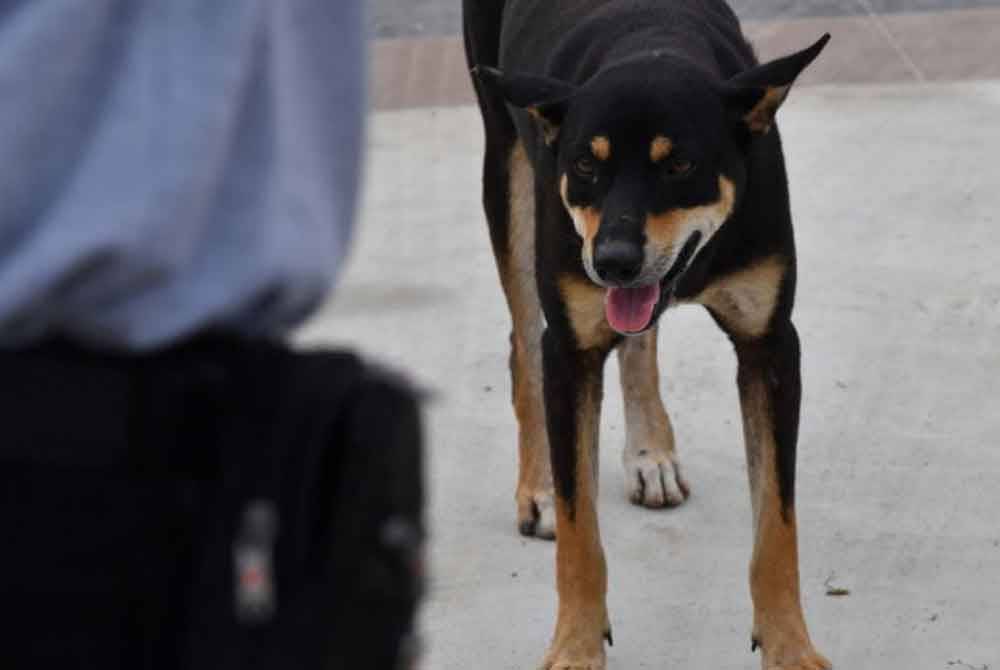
640 382
581 572
550 131
745 300
663 230
534 482
586 220
600 146
761 116
585 308
779 624
660 148
581 581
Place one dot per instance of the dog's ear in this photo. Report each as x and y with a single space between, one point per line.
544 98
755 95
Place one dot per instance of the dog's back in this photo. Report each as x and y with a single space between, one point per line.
592 33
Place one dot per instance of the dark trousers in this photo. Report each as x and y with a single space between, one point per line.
129 487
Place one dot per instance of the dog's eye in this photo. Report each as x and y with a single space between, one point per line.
678 167
584 167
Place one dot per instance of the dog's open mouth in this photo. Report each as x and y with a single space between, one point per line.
631 310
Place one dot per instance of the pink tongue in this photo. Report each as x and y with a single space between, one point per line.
630 310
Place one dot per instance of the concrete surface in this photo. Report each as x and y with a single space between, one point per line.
397 18
896 194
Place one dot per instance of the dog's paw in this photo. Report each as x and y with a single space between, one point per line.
653 477
578 643
569 656
795 653
811 660
595 664
536 514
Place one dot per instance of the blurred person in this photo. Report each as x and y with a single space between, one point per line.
178 489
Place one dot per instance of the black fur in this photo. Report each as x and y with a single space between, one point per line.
587 86
629 70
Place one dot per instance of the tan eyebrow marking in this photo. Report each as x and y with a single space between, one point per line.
586 220
660 148
601 147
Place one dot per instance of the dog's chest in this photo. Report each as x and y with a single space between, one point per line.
744 300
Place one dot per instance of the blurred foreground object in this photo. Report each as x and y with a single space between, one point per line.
178 489
223 504
174 167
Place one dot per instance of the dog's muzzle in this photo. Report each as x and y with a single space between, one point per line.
632 309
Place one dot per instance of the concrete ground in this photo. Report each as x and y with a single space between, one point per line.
896 196
397 18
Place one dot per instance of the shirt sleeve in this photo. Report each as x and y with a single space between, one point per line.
180 166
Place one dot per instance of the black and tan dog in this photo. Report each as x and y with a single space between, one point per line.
632 163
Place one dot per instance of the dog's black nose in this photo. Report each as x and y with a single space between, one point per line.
617 261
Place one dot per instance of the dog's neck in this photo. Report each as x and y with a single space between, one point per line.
580 61
587 51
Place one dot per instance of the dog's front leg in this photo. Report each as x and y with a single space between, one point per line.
770 389
652 471
573 387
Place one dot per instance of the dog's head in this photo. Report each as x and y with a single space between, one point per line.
651 159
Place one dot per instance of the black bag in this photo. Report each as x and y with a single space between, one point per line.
220 505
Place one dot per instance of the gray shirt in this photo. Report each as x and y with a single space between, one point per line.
171 166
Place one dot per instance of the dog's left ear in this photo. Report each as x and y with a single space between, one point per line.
756 94
544 98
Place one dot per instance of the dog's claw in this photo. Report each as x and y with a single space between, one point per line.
608 637
754 644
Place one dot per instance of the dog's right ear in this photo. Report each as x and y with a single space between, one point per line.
544 98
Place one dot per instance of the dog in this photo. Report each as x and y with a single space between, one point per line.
632 163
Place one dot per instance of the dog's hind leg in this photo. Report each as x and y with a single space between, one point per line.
508 200
508 195
652 471
535 511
